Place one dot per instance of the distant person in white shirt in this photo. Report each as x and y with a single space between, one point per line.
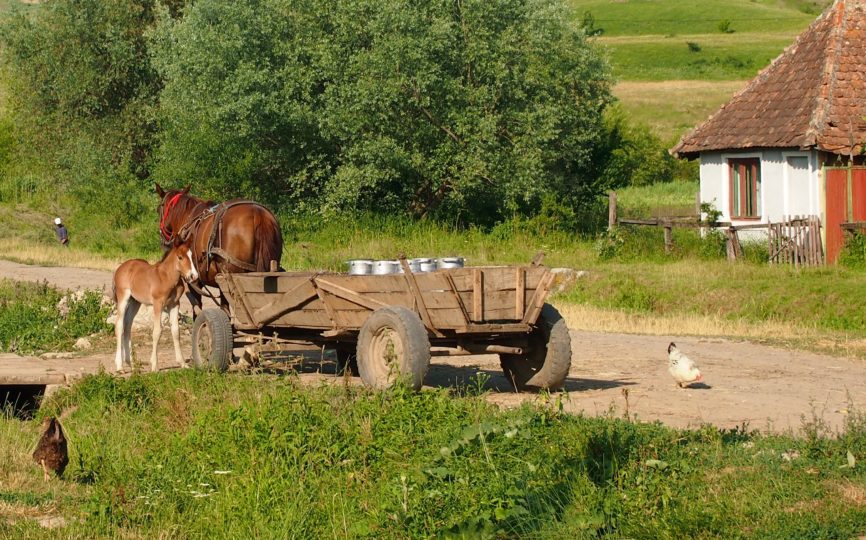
61 232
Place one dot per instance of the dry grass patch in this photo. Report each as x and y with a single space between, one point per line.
670 108
851 492
20 251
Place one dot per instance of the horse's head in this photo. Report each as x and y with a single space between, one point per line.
181 256
167 211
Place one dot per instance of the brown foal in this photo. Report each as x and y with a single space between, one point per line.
159 285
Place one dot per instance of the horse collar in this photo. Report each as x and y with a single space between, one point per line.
168 208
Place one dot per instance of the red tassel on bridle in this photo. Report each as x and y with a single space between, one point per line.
168 208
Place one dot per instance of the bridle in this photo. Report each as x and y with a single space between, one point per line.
168 207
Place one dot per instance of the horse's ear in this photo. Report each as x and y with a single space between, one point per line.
186 189
176 242
160 191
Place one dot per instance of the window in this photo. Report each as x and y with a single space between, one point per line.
745 187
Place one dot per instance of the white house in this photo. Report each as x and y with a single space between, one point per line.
764 154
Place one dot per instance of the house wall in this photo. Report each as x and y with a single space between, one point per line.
790 183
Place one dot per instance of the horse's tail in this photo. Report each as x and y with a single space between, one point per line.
269 241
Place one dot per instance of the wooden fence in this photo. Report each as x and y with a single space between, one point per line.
794 240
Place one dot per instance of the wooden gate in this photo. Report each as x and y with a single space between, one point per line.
845 189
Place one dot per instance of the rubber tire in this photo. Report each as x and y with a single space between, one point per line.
212 340
402 329
546 364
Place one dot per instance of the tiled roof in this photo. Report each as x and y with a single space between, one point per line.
813 95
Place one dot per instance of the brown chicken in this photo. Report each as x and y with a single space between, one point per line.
51 453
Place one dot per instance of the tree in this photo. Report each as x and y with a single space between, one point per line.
85 96
467 108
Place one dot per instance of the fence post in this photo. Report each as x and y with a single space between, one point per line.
669 239
611 211
729 244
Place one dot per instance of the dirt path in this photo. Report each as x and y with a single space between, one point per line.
768 388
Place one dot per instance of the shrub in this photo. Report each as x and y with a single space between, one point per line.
725 26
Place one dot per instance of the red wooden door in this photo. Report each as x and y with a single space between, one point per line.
858 192
837 210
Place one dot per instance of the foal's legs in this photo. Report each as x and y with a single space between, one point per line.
120 329
132 307
157 331
173 316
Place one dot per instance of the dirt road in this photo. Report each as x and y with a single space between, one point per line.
768 388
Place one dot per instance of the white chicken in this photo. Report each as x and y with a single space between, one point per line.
682 368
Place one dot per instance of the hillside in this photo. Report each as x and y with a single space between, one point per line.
677 62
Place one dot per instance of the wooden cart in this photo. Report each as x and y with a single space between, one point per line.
392 324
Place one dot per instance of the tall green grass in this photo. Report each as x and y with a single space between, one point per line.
31 320
194 455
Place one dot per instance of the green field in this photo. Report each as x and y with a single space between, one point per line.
672 17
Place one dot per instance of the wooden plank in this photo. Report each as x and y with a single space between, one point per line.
520 292
348 294
282 303
669 239
496 278
654 222
538 298
456 296
409 277
497 300
240 308
495 328
279 283
477 295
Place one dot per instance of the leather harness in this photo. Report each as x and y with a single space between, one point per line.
213 244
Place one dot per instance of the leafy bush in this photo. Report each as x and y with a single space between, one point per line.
31 321
635 156
853 253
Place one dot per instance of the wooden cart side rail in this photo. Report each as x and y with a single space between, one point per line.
302 292
463 300
420 305
350 295
538 298
495 278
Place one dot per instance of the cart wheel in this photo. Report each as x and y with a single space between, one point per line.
393 343
212 340
547 362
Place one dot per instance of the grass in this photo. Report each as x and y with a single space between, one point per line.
227 456
719 58
672 17
671 108
31 320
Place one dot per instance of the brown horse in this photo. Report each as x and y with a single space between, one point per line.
160 285
233 236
